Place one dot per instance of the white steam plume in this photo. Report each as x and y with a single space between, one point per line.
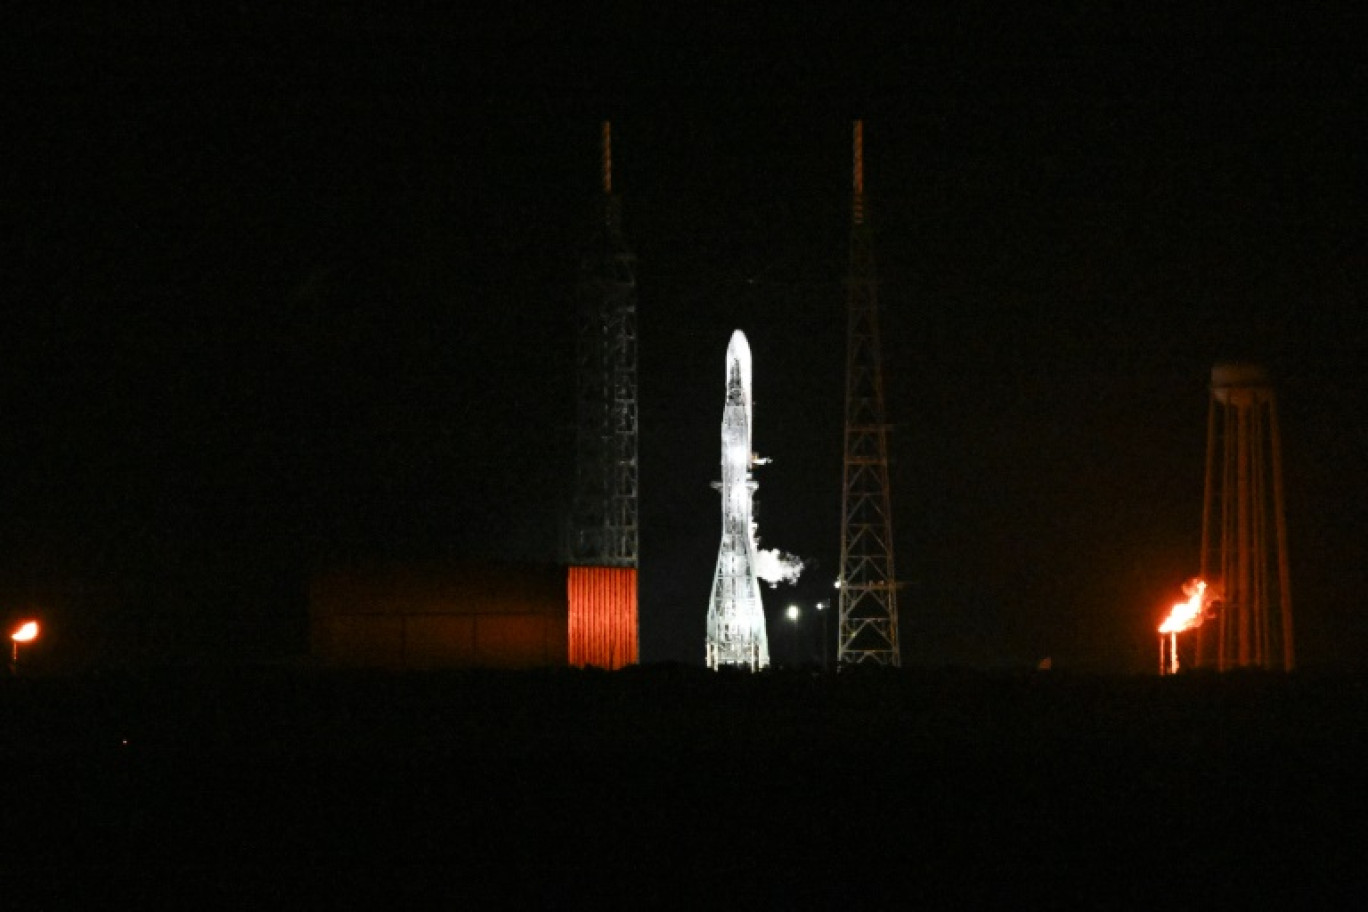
775 567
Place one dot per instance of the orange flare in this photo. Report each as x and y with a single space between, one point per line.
1188 614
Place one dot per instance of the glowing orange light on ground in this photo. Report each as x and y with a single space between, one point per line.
1188 614
26 632
1183 616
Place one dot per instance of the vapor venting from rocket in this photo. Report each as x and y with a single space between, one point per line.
775 566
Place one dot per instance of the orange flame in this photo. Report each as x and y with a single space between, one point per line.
1188 614
27 632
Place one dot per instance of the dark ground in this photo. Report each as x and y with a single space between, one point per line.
666 785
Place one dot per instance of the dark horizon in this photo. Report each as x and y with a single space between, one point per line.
298 291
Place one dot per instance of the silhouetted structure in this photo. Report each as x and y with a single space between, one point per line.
604 512
472 614
603 525
1244 534
868 603
439 615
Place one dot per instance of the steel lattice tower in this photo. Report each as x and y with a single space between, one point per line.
868 603
604 509
1244 534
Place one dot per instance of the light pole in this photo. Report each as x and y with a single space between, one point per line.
821 622
26 632
793 614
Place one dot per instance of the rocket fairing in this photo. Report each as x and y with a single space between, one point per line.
736 617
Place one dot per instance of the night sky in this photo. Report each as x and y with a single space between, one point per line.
284 291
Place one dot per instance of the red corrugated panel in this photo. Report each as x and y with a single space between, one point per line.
603 616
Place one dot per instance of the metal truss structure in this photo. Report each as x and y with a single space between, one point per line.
604 509
868 582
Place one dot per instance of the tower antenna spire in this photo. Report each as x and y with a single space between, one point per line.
868 580
857 199
607 158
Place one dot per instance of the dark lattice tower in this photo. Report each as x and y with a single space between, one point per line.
604 509
868 604
1244 535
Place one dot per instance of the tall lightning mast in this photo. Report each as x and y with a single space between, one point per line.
868 598
604 509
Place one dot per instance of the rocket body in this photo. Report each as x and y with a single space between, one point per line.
736 617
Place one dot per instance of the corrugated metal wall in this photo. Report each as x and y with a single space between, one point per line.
603 616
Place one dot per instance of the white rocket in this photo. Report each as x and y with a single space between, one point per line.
736 618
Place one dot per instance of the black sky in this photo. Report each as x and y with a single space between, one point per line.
284 290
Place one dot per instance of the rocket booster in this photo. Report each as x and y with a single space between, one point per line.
736 617
737 454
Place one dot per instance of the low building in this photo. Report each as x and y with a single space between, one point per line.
474 615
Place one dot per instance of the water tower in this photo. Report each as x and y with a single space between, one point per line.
1244 533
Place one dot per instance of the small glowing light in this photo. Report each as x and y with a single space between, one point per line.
27 632
821 606
793 612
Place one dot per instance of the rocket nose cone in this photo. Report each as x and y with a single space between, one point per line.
739 360
738 348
